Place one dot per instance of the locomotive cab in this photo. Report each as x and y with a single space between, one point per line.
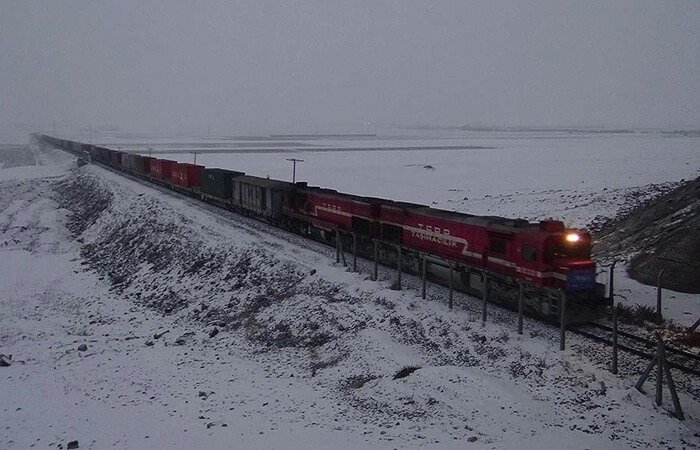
571 252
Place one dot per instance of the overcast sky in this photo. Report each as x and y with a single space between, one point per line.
264 66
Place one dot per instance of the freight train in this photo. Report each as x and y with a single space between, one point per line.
493 254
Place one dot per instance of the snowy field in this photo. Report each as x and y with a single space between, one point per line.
306 353
574 176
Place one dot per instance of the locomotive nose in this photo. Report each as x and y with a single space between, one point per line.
580 277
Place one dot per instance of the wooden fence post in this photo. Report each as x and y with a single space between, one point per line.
484 298
659 369
520 307
613 367
354 252
451 283
562 321
337 246
611 294
424 276
376 258
399 263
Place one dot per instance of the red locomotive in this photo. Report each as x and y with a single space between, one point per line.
546 255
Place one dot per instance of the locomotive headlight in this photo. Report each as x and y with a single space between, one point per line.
573 237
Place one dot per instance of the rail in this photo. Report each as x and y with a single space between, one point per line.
680 355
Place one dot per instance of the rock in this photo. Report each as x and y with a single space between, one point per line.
406 371
660 233
312 272
182 339
160 335
213 332
5 360
82 348
149 343
72 444
471 439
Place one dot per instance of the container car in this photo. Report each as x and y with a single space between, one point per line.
218 183
186 175
136 163
160 168
127 161
115 158
147 165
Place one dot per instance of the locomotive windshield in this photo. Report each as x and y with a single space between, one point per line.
569 250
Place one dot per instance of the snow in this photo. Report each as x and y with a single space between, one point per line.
324 381
514 174
682 308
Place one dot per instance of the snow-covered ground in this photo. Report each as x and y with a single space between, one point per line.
306 354
574 178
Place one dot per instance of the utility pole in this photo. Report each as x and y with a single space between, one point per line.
294 168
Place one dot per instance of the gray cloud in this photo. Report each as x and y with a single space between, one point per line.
269 66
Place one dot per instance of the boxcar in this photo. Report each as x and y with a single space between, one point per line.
261 196
218 183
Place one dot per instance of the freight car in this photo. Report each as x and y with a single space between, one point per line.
187 176
217 185
160 169
550 258
262 197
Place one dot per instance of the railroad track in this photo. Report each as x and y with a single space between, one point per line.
639 346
